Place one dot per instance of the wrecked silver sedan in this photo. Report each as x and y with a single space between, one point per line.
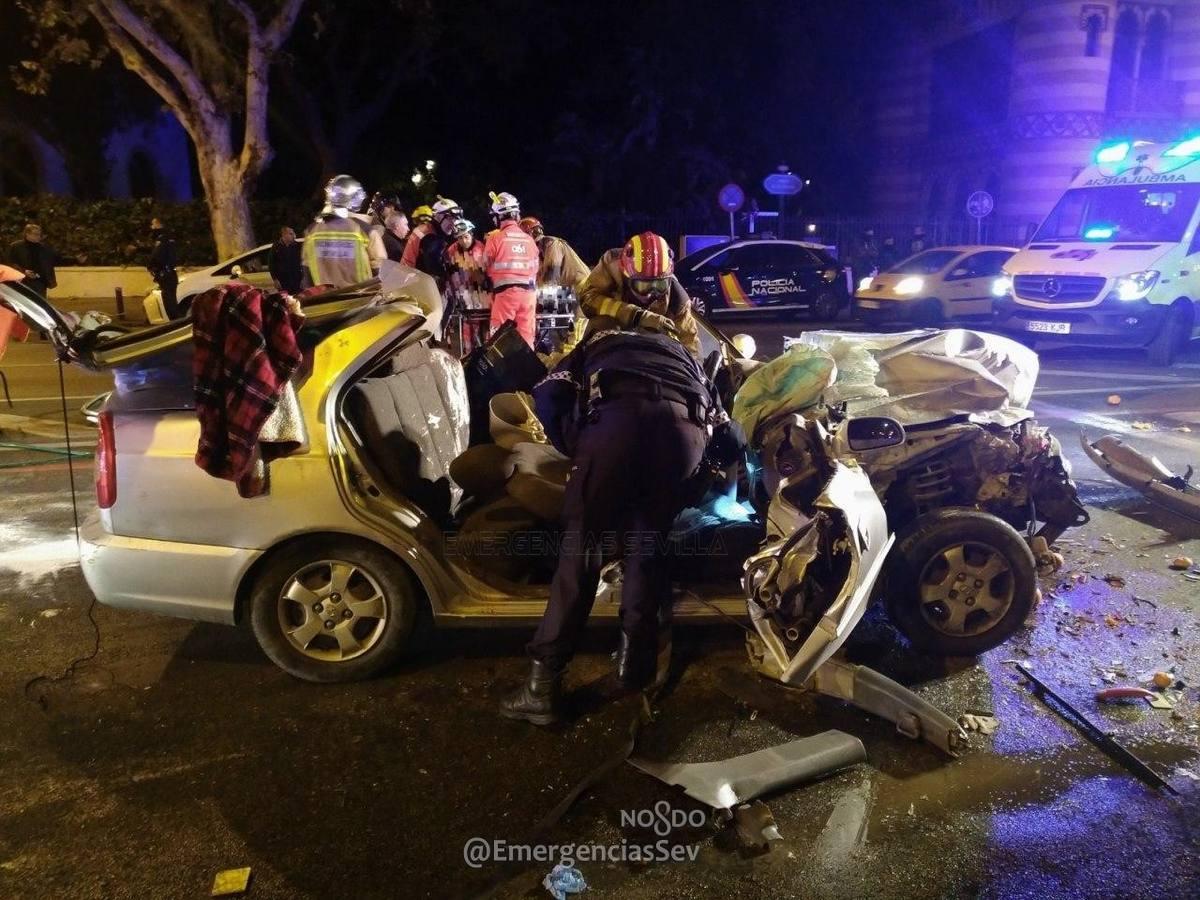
388 513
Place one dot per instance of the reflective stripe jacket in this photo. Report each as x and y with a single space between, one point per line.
560 264
601 298
412 248
342 251
511 256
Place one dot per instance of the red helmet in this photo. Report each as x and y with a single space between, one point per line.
532 226
647 256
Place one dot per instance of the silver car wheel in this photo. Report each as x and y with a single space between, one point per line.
332 610
966 589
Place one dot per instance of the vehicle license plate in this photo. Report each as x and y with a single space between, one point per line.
1049 327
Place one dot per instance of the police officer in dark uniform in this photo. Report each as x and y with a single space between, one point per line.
634 410
162 268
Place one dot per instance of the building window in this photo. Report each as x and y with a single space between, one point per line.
1154 49
1094 27
1125 45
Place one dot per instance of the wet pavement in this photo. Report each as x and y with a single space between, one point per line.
178 750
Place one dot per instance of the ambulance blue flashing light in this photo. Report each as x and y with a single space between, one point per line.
1189 147
1113 153
1099 233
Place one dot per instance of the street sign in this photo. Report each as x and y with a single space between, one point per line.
783 184
730 198
980 204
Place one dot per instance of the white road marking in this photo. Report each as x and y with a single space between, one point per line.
1130 376
1122 389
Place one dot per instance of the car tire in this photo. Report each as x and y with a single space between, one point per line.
825 308
373 615
1170 338
943 614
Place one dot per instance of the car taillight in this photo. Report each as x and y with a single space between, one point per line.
106 462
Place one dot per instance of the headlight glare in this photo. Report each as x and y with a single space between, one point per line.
1137 285
910 285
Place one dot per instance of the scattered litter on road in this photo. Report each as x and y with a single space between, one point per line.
563 880
846 829
1143 426
1150 603
983 722
1092 732
50 613
229 882
1122 693
1114 580
755 826
1114 399
1181 563
1166 700
1184 429
1163 679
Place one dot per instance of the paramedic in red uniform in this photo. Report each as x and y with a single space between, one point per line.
511 259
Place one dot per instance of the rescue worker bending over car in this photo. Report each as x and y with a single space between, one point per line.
634 287
511 260
558 263
342 246
633 410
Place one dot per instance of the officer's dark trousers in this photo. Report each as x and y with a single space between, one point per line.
168 285
625 490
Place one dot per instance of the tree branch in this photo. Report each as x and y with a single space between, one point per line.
281 26
137 28
135 62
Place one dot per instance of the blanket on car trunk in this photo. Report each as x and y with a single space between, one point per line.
245 353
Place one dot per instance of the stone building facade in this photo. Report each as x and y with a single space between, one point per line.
1013 97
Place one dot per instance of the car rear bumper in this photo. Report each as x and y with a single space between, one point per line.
1108 324
191 581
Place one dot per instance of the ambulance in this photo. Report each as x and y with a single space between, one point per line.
1117 261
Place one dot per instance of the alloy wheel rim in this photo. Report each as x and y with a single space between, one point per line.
332 610
965 589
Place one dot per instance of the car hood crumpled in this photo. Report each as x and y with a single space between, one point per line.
929 375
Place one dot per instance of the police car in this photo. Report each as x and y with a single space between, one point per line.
748 275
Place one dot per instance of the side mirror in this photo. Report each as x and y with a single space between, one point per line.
873 433
745 345
235 272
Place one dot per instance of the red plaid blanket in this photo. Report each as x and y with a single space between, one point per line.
245 353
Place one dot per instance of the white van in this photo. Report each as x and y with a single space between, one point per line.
1117 262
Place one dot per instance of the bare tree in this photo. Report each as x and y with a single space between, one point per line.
208 60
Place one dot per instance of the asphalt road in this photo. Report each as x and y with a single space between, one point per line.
178 750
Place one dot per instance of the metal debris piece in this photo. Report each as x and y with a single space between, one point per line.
728 782
1145 474
229 882
755 826
1165 700
563 880
1092 732
983 722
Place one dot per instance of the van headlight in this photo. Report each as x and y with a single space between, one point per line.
1137 285
910 285
865 283
1002 286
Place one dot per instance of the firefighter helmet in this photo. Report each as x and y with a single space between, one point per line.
533 227
505 206
647 255
461 227
421 214
443 207
344 192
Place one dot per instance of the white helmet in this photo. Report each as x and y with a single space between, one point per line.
505 206
344 192
445 207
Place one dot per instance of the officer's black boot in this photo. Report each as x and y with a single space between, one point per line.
539 699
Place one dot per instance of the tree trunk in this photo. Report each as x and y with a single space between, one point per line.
227 195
